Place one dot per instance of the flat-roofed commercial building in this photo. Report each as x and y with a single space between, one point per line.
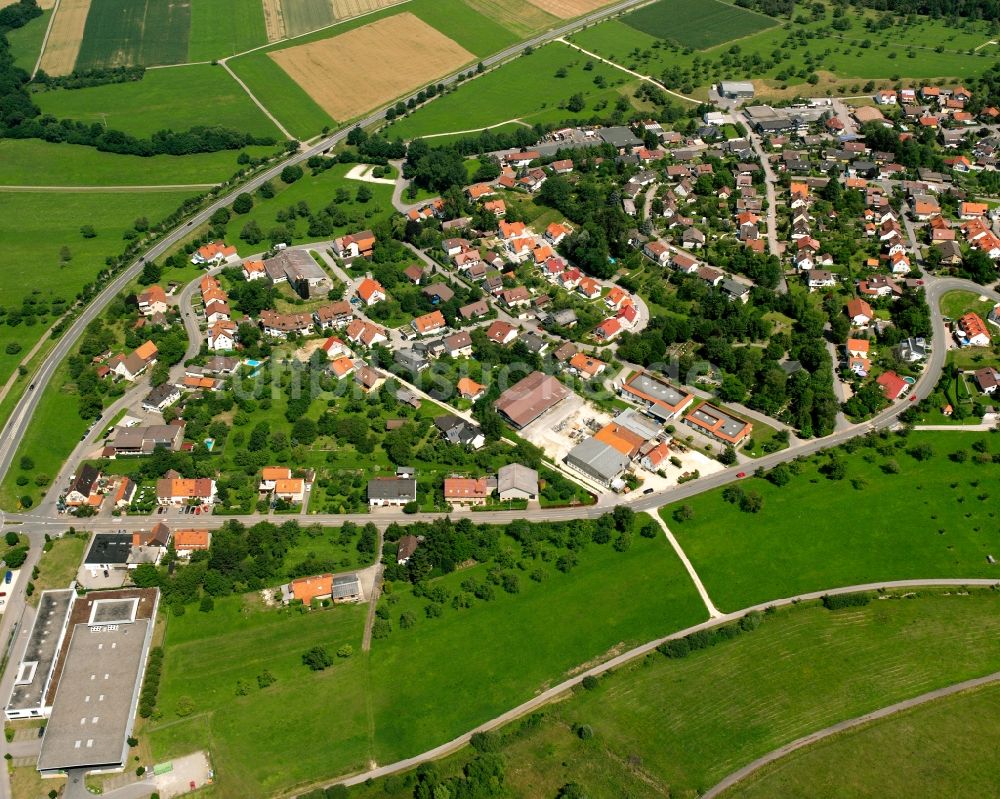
29 697
658 397
97 680
716 423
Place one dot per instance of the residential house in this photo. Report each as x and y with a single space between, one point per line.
188 541
859 312
83 486
718 424
912 350
971 331
279 325
987 379
181 491
335 315
367 333
215 253
254 270
433 322
469 389
161 397
892 385
371 292
355 245
466 490
502 333
587 366
459 431
515 481
152 301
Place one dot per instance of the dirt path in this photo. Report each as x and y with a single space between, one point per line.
835 729
252 96
514 121
713 611
363 172
366 641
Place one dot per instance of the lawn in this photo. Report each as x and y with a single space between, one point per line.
58 566
699 24
317 192
917 755
423 685
34 226
26 42
931 518
224 27
956 303
282 96
176 99
305 725
525 88
33 162
674 727
116 33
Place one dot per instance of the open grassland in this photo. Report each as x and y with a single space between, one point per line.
282 96
675 727
222 28
424 684
568 9
892 517
34 227
32 162
518 16
526 89
317 193
697 23
175 99
957 303
65 37
58 566
948 747
370 66
522 643
123 32
26 42
305 725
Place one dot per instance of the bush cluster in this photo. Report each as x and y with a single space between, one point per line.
151 685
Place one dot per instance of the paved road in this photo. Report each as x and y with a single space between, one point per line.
557 691
18 422
834 729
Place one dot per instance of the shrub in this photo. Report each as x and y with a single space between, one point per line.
837 601
485 741
674 648
589 682
317 658
585 732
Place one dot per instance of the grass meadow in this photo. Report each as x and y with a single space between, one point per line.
926 519
58 567
222 28
26 42
177 99
318 192
946 747
33 162
526 88
422 685
122 32
667 727
282 96
459 21
698 24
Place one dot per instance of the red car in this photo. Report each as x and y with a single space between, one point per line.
741 475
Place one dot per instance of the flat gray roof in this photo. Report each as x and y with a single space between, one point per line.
95 699
736 86
43 644
730 425
657 390
598 459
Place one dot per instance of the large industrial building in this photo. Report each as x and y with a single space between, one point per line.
83 670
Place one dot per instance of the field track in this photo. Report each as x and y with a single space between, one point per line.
368 66
65 37
568 9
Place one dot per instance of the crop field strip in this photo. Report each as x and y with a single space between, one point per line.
366 67
122 32
222 28
518 16
697 23
274 20
65 37
568 9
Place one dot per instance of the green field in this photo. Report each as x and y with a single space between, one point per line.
956 303
526 88
424 685
121 32
224 27
177 99
26 42
282 96
697 23
933 518
57 567
33 162
945 748
675 727
779 60
477 33
302 16
318 192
